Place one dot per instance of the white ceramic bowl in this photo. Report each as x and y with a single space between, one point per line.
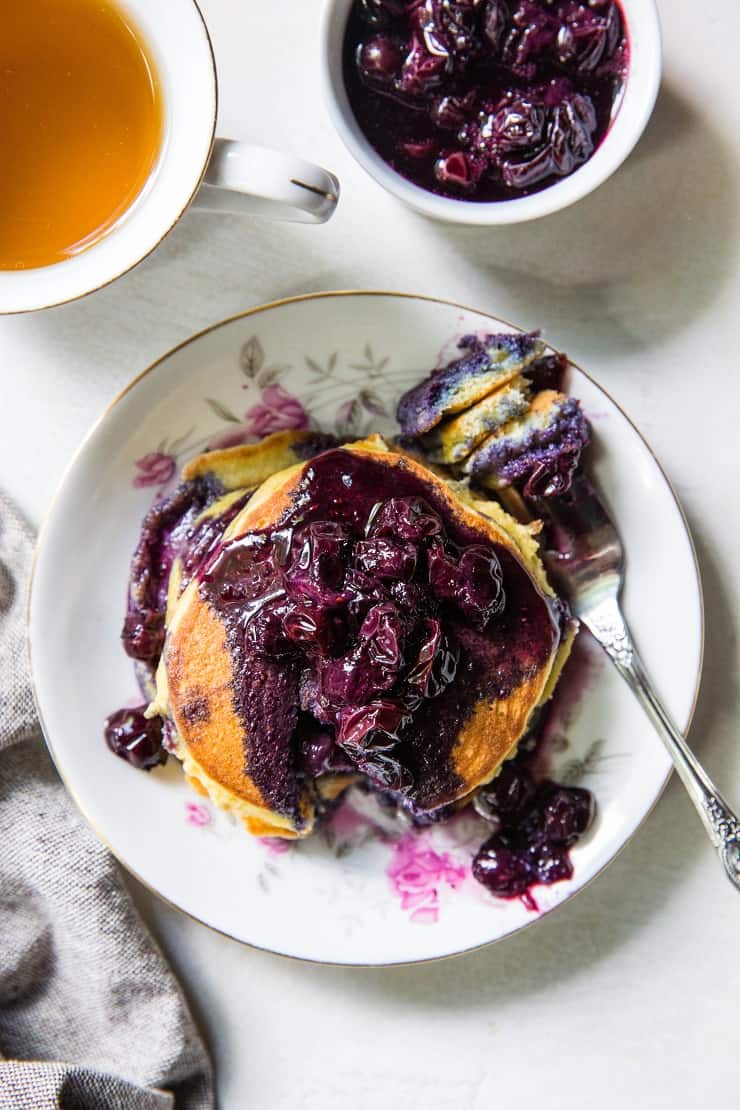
638 100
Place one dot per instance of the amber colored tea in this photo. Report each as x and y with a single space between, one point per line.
81 123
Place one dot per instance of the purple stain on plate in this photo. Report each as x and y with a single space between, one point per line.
197 815
275 845
417 873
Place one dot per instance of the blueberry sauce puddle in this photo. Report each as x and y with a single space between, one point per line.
486 100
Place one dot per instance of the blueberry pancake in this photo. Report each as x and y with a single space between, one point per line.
540 451
487 364
453 440
359 618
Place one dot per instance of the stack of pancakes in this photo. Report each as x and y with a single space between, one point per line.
198 675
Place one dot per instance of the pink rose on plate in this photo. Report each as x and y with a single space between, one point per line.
276 411
416 873
154 469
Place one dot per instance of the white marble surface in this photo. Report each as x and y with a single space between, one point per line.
628 996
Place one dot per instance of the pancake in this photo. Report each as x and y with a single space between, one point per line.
487 364
453 440
432 643
246 466
540 451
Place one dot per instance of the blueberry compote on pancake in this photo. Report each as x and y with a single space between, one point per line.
365 628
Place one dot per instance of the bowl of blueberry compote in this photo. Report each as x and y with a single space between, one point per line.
491 111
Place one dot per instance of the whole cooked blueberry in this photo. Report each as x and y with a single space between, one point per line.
384 770
143 635
379 59
570 143
509 796
382 634
315 745
501 869
264 627
136 738
452 112
405 518
421 72
473 583
379 722
436 662
319 564
373 664
588 36
532 37
386 558
552 863
567 814
448 27
515 122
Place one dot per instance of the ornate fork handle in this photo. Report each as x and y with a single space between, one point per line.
610 628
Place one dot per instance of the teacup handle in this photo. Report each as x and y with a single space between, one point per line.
242 178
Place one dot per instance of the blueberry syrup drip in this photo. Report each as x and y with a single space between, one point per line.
171 530
485 99
364 628
136 738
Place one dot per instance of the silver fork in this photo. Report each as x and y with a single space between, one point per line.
588 568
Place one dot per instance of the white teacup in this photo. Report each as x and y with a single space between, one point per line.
192 168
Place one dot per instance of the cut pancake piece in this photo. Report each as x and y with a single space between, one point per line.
539 451
488 364
452 441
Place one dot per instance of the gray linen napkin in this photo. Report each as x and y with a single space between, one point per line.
90 1014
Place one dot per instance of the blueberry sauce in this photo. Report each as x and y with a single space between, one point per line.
364 628
548 372
535 826
169 530
485 99
135 738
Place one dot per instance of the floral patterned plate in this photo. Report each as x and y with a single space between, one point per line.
360 892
